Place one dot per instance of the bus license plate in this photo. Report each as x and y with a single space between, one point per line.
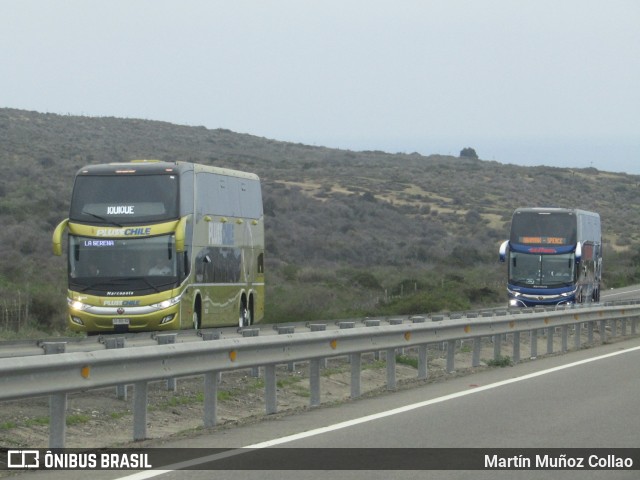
121 321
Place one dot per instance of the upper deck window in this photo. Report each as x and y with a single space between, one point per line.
544 228
228 196
124 199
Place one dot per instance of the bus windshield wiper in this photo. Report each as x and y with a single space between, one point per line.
126 280
105 220
122 281
92 286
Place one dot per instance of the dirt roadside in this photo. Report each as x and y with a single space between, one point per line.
99 419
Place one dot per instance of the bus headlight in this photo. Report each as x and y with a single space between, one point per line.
77 305
166 303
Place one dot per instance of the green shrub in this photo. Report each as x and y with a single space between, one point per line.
500 361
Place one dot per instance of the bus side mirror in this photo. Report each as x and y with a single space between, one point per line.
57 237
578 252
181 231
503 250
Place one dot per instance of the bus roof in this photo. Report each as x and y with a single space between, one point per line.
575 211
150 167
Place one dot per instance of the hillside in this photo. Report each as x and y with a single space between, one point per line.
347 232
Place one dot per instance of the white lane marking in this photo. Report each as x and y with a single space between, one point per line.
608 294
367 418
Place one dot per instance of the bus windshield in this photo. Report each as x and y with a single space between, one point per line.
140 265
124 199
532 270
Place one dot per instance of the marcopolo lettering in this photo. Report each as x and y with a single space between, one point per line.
120 210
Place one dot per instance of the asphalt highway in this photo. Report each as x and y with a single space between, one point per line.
585 399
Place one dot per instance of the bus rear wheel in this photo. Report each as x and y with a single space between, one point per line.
245 315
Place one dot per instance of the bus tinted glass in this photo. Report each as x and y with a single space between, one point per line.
528 270
534 228
228 196
143 265
124 199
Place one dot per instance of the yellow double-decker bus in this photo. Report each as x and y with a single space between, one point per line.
157 245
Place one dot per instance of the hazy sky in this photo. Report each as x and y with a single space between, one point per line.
553 82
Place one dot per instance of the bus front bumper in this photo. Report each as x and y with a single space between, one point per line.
521 299
96 319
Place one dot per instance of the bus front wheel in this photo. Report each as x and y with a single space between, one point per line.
197 317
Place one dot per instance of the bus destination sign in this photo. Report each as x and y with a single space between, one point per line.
543 240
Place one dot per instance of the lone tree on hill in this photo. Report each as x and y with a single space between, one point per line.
468 153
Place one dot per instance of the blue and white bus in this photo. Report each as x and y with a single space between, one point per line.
554 257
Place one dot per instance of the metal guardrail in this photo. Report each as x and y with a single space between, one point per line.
59 375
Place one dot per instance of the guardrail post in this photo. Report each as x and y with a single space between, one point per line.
533 343
394 321
57 403
623 327
373 322
497 344
252 332
590 326
207 336
57 420
210 399
287 330
418 320
423 371
344 326
477 350
565 337
271 401
140 394
391 368
603 331
319 327
614 327
314 382
634 323
52 348
550 333
451 355
168 339
516 347
577 340
117 342
356 364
